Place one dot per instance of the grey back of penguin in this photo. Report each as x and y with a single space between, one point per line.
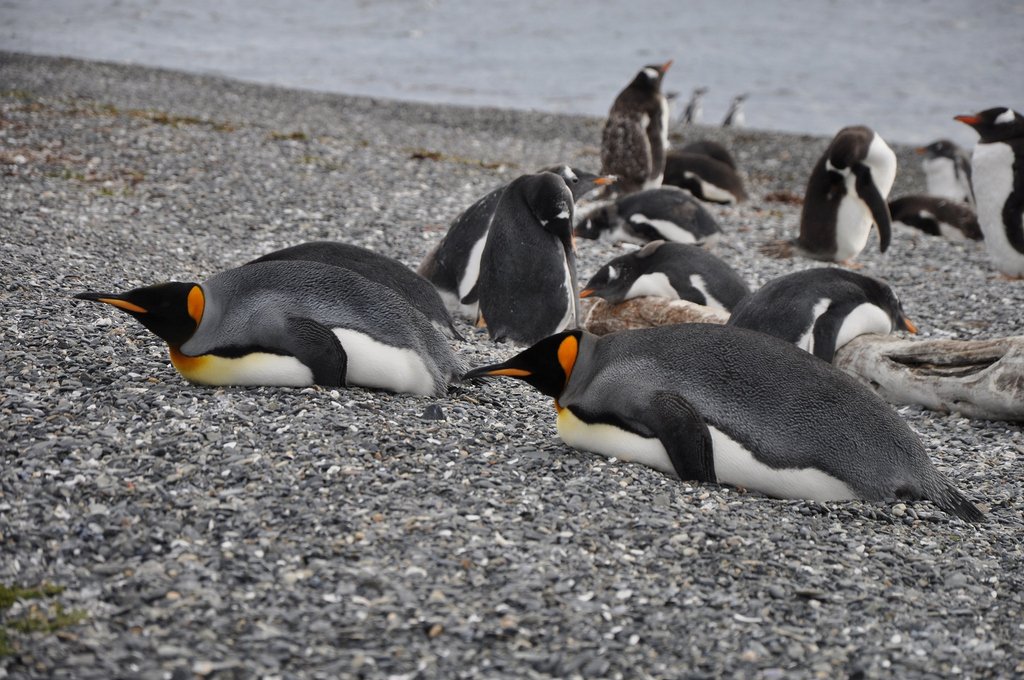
250 306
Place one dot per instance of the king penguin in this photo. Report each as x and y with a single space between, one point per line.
380 268
936 216
676 271
947 171
527 285
820 310
705 402
453 266
666 213
293 324
735 116
845 194
998 175
635 136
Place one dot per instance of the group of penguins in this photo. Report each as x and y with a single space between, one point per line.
754 403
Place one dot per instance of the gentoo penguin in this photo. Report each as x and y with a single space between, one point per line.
704 177
454 264
735 117
527 284
936 216
721 404
846 194
947 171
820 310
667 213
998 173
706 147
678 271
382 269
635 136
292 323
694 108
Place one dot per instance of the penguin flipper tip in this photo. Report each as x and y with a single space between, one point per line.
955 503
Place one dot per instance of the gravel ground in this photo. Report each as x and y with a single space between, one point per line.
276 532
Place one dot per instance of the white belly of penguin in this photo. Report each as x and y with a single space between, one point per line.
472 271
655 284
993 182
711 191
258 368
865 318
806 340
374 364
853 223
734 465
569 318
669 230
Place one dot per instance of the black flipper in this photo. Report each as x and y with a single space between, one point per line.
868 193
826 328
316 346
685 436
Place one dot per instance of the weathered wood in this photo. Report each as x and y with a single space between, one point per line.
978 378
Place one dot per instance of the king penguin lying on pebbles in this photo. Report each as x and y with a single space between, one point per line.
998 174
293 323
657 396
453 267
665 213
820 310
379 268
677 271
635 136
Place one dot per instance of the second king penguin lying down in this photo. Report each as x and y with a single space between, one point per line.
722 404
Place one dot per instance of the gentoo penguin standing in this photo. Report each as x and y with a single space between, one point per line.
947 171
936 216
676 271
527 284
735 117
292 323
846 194
722 404
379 268
666 213
454 265
820 310
694 108
706 147
635 136
705 177
998 175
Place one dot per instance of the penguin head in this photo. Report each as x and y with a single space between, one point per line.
940 148
995 125
170 310
580 182
546 365
613 280
882 294
650 76
599 221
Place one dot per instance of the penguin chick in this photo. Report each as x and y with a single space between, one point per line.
947 171
820 310
295 324
384 270
635 136
453 266
676 271
704 177
936 216
666 213
845 194
721 404
527 284
997 166
735 116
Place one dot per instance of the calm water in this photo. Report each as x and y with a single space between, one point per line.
905 68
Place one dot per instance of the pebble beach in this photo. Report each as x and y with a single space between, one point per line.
205 532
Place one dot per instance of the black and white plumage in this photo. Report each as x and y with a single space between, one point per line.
846 194
694 108
379 268
997 166
706 147
735 116
453 266
721 404
676 271
635 136
705 177
666 213
936 216
527 285
293 323
947 171
820 310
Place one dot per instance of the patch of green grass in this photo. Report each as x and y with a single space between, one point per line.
42 617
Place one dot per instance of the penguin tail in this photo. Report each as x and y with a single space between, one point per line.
949 498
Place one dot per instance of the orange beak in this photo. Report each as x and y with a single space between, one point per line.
970 120
586 292
666 66
911 328
607 179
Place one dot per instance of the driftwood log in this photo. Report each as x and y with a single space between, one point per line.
978 378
